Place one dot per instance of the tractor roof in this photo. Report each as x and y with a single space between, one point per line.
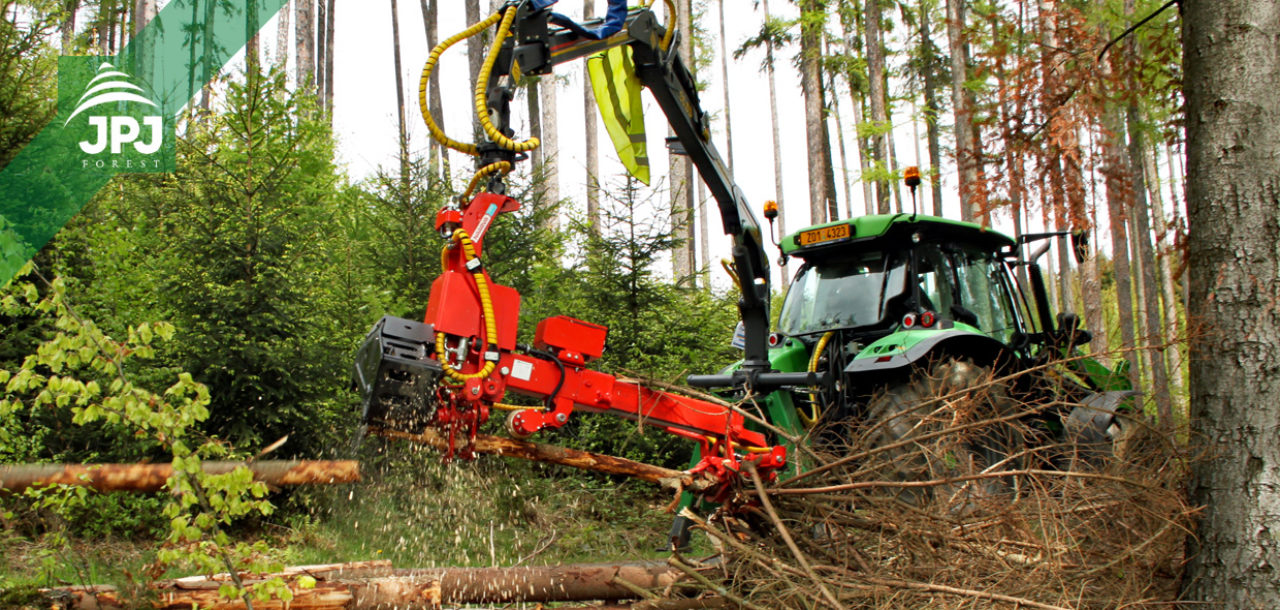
874 230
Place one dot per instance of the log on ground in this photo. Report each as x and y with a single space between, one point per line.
552 454
152 477
377 585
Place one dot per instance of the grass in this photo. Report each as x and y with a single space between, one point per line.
411 509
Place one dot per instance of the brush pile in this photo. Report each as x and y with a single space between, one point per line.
959 497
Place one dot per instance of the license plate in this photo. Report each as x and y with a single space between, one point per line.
825 234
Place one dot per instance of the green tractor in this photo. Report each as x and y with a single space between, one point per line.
891 310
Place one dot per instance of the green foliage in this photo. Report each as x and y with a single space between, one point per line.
82 370
28 93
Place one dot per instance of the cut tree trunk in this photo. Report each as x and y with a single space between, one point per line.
152 477
375 584
551 454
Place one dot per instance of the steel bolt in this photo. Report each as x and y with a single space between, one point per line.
506 371
561 418
475 390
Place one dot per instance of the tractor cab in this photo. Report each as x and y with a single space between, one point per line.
875 276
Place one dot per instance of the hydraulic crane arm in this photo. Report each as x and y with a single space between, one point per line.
539 44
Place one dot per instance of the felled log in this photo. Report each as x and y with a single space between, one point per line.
151 477
552 454
377 585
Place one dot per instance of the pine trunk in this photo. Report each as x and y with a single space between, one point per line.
305 38
322 13
966 150
777 142
475 57
550 148
811 85
252 63
1142 244
400 114
1164 253
879 110
682 176
1115 171
328 61
929 76
1233 203
439 161
282 36
593 139
724 72
68 26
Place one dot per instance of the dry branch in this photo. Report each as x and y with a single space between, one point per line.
152 477
552 454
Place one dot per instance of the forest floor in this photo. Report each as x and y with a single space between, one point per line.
415 512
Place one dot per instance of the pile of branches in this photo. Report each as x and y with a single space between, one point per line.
959 496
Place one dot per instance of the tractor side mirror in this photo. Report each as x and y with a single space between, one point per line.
1080 246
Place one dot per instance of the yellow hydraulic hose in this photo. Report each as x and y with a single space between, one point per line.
814 413
502 167
482 87
429 67
733 273
486 306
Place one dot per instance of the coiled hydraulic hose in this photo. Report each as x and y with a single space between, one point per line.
482 88
430 66
486 306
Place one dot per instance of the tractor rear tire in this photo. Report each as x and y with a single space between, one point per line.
936 425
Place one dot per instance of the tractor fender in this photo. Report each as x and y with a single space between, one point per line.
960 343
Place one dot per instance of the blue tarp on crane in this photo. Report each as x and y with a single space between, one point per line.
614 17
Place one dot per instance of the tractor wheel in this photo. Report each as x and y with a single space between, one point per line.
942 424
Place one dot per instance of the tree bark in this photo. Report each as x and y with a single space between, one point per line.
550 147
1233 204
779 196
475 56
282 36
551 454
1114 171
879 111
328 61
593 139
1164 254
439 161
252 62
681 169
305 38
1142 241
322 16
929 76
966 148
68 26
403 133
724 72
152 477
376 584
811 85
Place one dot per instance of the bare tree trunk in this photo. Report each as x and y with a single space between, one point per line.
879 99
681 171
929 76
550 147
328 61
833 206
322 16
1114 171
1165 252
537 158
1165 279
844 156
305 38
593 139
1091 284
282 36
439 154
475 56
1142 242
210 70
777 142
68 26
152 477
400 119
1233 201
966 148
724 71
811 84
704 237
143 12
252 61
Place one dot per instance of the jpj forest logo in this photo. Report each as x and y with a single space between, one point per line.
114 124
